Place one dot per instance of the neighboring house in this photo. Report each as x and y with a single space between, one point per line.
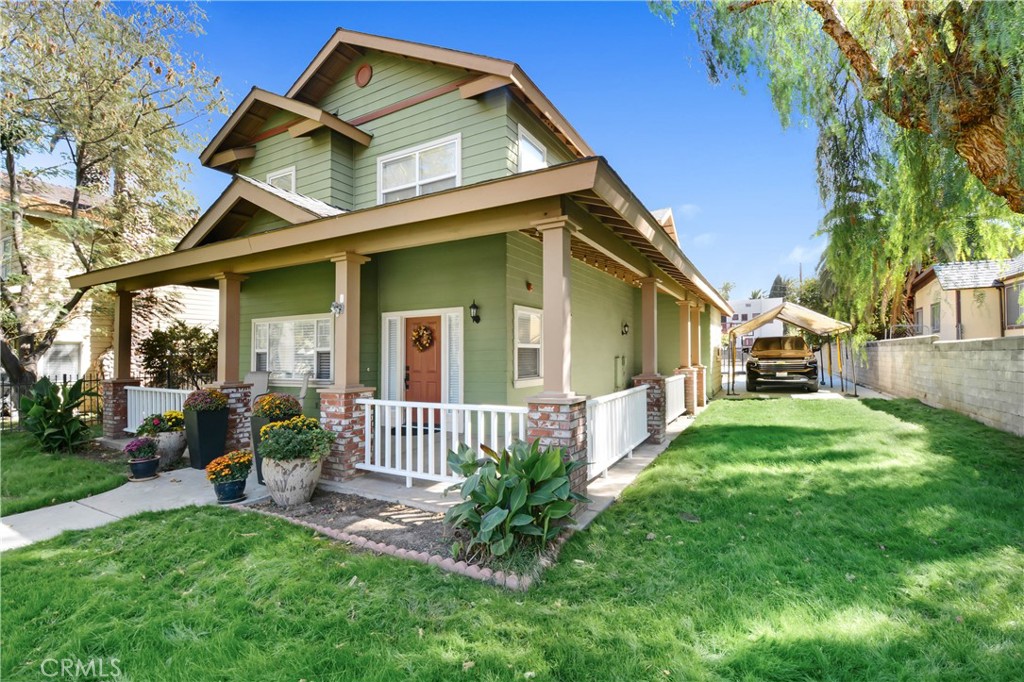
970 300
83 344
747 309
420 224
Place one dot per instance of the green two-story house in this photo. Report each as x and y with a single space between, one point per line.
416 224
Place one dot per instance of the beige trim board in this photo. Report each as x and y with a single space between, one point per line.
240 190
307 111
308 80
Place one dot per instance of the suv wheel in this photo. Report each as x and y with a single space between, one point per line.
752 385
813 386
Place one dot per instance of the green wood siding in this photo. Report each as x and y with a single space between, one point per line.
668 334
517 114
311 156
262 221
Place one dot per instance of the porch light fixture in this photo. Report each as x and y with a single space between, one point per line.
338 307
625 328
474 312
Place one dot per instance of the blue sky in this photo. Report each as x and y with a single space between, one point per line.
742 189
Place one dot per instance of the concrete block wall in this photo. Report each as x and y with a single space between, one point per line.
980 378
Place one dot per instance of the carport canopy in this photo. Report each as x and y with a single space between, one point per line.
802 317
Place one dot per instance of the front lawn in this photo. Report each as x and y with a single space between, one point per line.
31 478
792 540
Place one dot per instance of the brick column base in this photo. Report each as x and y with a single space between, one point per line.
561 423
702 391
115 406
239 411
655 384
340 413
689 388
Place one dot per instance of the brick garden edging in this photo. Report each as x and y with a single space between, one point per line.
510 581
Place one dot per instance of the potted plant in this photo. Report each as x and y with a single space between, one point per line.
168 430
142 458
206 425
269 408
292 452
228 474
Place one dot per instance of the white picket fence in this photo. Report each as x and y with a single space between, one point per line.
143 402
675 397
412 439
616 424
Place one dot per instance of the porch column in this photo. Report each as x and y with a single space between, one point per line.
114 391
695 354
649 312
228 331
684 333
346 322
686 346
339 409
558 417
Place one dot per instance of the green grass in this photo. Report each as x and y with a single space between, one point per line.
839 541
31 478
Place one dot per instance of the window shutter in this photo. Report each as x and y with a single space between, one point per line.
453 330
390 353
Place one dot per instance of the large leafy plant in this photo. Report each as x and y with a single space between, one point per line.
511 496
49 414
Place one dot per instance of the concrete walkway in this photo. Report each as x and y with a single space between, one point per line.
171 490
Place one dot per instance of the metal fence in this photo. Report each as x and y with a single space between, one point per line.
91 410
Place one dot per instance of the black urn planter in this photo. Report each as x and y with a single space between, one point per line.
255 424
206 433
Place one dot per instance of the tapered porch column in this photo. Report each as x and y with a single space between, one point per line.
695 359
229 323
558 417
686 367
684 333
649 313
346 324
115 394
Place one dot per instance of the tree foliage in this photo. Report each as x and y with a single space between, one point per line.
106 98
181 355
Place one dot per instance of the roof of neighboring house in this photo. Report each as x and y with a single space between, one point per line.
666 220
977 274
346 46
42 196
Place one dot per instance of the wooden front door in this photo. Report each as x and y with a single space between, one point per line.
423 366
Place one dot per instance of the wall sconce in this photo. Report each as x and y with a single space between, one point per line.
625 328
474 312
338 307
529 285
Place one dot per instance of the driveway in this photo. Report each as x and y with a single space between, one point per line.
831 390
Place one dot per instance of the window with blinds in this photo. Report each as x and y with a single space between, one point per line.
291 348
431 167
527 359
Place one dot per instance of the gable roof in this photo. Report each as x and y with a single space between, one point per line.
240 201
667 221
346 46
978 274
233 141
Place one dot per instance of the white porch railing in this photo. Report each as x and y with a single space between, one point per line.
675 397
143 402
616 424
413 439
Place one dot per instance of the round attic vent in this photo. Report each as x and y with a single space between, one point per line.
363 75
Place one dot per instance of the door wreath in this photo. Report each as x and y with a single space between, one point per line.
422 338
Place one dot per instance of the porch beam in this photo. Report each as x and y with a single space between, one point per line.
557 321
229 326
649 319
123 335
346 322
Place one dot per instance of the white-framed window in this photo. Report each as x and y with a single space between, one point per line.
1013 306
6 257
423 169
532 154
293 347
936 313
528 359
283 179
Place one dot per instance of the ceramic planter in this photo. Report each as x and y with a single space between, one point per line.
230 491
292 481
255 424
170 446
144 468
206 433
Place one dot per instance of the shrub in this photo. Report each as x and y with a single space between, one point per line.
140 448
206 400
49 414
234 466
511 496
180 355
276 406
295 438
172 420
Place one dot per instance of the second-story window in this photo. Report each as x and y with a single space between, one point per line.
532 154
283 179
427 168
